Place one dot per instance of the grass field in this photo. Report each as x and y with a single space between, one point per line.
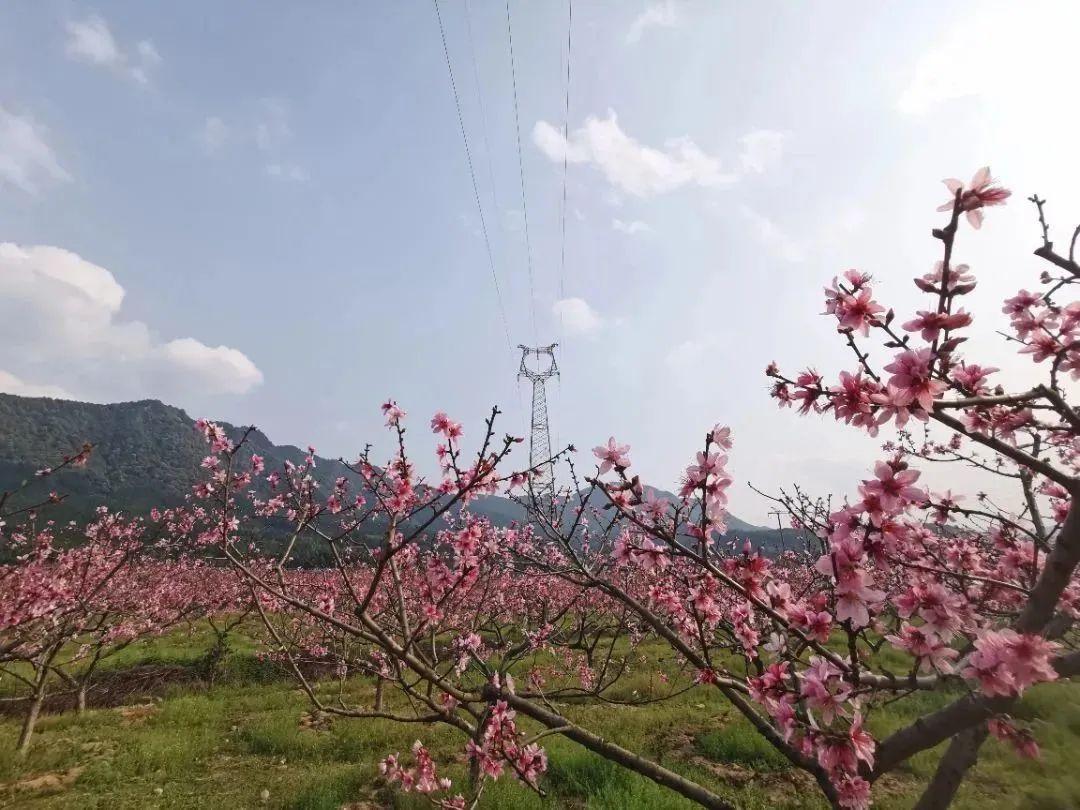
194 746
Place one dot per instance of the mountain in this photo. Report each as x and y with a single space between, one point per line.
148 454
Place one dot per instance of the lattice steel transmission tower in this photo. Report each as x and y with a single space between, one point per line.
542 483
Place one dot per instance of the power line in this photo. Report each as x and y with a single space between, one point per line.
521 169
562 226
483 111
565 162
472 174
487 146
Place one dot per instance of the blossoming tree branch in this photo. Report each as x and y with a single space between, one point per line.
498 633
483 627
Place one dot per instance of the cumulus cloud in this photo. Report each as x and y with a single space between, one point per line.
91 41
225 370
631 228
64 335
656 15
27 162
576 316
645 171
640 170
10 384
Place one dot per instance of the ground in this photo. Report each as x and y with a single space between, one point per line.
250 741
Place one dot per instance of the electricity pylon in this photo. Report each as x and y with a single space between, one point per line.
542 481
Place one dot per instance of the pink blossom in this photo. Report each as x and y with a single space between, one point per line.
961 281
972 377
857 312
441 423
894 485
926 646
1006 663
721 436
613 455
982 192
1021 740
823 689
911 377
930 324
853 792
393 413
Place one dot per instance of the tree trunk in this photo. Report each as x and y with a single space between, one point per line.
32 712
961 755
215 656
476 780
80 707
379 693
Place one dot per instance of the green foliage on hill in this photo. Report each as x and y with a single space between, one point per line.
147 454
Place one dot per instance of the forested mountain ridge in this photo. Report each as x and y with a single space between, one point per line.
147 454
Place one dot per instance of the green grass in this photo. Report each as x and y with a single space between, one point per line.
203 749
738 743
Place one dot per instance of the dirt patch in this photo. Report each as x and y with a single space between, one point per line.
785 787
137 714
120 687
316 720
731 773
46 782
114 688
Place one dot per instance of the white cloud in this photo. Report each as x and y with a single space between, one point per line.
576 316
645 171
224 369
663 15
26 160
92 42
631 228
61 326
10 384
627 164
775 239
761 150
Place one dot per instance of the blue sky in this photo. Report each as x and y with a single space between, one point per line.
261 211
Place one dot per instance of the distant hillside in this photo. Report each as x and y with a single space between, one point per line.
148 453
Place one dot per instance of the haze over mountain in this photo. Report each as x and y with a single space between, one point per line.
148 453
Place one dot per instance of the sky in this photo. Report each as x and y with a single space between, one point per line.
263 212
